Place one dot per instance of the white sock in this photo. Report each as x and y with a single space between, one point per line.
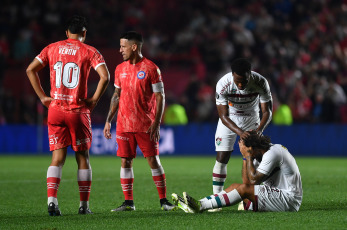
219 177
222 200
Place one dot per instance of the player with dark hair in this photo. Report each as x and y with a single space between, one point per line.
139 99
238 96
69 107
271 180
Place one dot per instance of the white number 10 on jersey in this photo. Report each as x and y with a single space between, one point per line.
68 74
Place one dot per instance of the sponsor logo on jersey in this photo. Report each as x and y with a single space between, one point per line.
123 75
122 138
141 75
218 140
82 141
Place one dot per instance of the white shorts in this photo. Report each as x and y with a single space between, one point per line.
272 200
225 138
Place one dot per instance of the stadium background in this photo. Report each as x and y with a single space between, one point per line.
302 51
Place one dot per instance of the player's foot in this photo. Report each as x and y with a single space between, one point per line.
192 203
124 207
83 210
179 202
167 206
215 210
241 207
53 210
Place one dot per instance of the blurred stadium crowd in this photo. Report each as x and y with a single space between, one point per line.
299 46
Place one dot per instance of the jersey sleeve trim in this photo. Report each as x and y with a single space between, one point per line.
263 171
116 86
39 59
158 87
102 63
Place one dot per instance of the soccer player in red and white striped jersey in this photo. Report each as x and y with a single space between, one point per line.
68 106
139 99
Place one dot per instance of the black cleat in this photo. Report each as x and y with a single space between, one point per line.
83 211
167 206
53 210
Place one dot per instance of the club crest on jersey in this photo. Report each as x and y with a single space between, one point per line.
141 75
218 140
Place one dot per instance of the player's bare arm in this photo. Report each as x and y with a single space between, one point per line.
266 109
223 112
114 104
252 174
154 129
32 73
100 89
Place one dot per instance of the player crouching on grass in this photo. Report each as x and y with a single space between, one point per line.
271 177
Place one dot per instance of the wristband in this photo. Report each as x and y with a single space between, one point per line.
244 159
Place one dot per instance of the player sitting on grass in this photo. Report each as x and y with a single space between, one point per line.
272 175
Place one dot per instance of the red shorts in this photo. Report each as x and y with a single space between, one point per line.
127 143
66 129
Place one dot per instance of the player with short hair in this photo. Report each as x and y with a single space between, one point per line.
139 99
69 107
238 95
272 180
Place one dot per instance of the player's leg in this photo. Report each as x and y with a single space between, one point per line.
59 139
54 173
224 145
127 151
150 150
81 138
230 196
84 179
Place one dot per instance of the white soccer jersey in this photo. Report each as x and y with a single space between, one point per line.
243 102
283 172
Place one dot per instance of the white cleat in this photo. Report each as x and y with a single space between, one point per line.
240 207
215 210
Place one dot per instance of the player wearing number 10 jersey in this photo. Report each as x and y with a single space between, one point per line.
69 108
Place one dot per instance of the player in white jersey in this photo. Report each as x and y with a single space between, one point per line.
272 180
238 95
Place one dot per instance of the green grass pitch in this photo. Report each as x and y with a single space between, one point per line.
23 196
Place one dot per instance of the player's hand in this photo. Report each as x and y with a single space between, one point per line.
46 101
245 151
154 132
90 103
107 130
244 134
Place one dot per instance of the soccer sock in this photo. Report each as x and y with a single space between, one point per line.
219 177
160 181
127 181
53 180
221 200
84 178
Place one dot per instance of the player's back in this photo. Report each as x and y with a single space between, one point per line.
70 62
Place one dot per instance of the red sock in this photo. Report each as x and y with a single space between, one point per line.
127 187
160 182
52 186
84 187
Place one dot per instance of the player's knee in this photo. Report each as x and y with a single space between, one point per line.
245 190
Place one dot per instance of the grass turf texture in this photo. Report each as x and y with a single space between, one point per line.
23 202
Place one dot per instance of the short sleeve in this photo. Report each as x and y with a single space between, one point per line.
116 78
265 93
271 159
43 56
97 59
157 81
221 98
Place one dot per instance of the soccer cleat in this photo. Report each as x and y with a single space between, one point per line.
53 210
179 202
167 206
215 210
192 203
83 211
124 207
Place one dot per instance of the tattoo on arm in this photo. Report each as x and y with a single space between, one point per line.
113 105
